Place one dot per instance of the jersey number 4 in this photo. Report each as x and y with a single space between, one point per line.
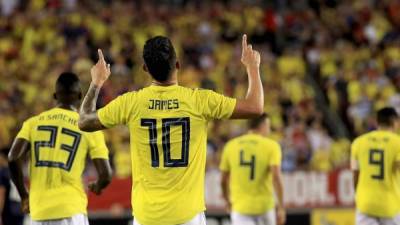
166 130
376 158
71 149
251 164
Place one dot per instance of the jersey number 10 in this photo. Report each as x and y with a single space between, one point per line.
166 145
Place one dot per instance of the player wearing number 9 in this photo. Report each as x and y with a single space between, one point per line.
168 130
375 160
58 152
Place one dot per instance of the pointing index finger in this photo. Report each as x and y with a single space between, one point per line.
101 56
244 41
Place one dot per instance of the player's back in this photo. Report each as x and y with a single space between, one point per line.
58 155
168 127
378 191
248 159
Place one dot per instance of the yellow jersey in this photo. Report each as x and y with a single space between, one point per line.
168 132
248 159
57 158
378 189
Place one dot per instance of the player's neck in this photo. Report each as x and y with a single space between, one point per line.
173 80
67 107
165 83
257 132
384 128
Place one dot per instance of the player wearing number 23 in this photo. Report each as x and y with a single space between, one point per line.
168 132
375 158
58 152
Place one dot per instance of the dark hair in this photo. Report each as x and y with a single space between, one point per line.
4 151
68 88
67 82
160 57
255 123
386 116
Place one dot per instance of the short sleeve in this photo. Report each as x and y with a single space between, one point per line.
25 132
97 145
276 156
354 155
216 106
397 159
224 164
117 112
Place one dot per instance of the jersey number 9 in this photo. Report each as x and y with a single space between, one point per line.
376 158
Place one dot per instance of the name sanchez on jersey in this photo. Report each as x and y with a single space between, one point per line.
60 116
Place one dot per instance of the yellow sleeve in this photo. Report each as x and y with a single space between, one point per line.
117 112
97 145
354 158
25 132
216 106
276 156
224 164
397 159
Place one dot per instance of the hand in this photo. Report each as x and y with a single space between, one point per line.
281 215
25 205
96 189
250 57
101 71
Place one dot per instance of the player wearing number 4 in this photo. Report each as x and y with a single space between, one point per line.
251 173
375 160
168 128
58 151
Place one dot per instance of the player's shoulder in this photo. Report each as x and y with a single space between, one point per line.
194 91
367 136
394 136
377 134
130 94
200 91
271 143
94 135
232 141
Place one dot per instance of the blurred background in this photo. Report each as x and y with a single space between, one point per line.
327 65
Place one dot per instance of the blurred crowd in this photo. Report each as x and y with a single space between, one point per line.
350 48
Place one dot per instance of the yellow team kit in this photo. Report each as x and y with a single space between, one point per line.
58 156
378 189
248 159
168 132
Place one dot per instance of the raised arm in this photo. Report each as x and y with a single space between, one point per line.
15 162
253 104
88 120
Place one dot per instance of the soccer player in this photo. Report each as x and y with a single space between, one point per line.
58 151
251 172
168 128
375 160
